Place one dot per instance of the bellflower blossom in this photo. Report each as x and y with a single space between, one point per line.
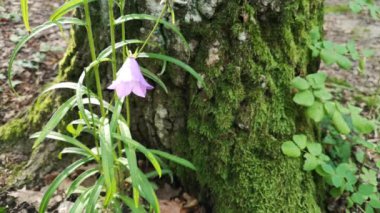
130 79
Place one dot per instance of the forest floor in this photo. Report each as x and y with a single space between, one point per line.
358 88
38 61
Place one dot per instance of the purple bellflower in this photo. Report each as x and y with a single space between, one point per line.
130 79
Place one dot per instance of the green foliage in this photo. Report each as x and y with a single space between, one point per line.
114 151
339 153
358 6
32 34
25 13
341 54
65 8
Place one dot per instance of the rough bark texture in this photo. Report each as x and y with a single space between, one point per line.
232 130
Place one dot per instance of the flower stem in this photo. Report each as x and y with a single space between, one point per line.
112 32
127 109
93 54
125 48
154 29
125 53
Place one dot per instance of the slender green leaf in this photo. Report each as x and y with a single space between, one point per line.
174 158
116 114
148 192
79 92
166 24
81 201
94 195
65 8
83 176
131 204
154 174
154 78
58 180
107 51
62 85
176 62
61 137
54 120
32 34
130 142
25 13
107 153
73 150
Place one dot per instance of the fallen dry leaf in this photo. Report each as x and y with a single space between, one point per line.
170 206
167 192
32 197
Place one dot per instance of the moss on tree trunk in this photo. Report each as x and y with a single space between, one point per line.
232 130
237 125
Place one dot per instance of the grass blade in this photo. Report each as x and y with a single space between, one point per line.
116 114
81 201
147 17
65 8
107 51
176 62
94 196
73 150
62 85
83 176
174 158
79 92
58 180
129 142
25 13
131 204
33 33
64 138
54 120
107 154
139 181
154 78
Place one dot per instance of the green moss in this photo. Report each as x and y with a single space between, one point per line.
237 123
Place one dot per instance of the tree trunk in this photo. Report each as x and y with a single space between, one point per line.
232 130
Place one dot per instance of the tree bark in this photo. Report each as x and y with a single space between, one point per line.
232 129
